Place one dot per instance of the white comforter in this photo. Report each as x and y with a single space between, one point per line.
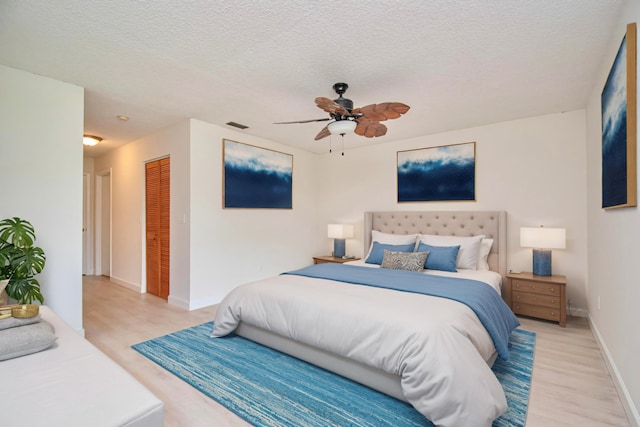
437 346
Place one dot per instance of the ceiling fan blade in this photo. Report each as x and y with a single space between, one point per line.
304 121
323 133
330 106
383 111
392 110
370 128
399 107
369 112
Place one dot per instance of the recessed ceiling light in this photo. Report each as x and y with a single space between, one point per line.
122 118
91 140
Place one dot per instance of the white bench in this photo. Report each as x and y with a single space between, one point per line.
73 384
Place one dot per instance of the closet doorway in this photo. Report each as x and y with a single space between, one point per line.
157 198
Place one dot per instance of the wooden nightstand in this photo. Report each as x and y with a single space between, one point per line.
543 297
336 260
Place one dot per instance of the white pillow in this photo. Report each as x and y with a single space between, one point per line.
391 239
469 248
483 256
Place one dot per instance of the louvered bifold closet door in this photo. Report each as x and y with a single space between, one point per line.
165 208
157 228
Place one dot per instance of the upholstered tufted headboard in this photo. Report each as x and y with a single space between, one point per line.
460 223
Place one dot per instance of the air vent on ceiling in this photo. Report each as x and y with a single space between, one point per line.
237 125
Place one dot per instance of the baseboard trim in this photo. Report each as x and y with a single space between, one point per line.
178 302
627 403
125 284
193 305
204 302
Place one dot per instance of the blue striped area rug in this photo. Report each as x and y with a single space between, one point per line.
269 388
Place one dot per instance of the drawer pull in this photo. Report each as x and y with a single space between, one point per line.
551 289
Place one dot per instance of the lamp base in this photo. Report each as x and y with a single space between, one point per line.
339 246
542 262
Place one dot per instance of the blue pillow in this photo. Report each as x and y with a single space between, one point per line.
440 257
377 251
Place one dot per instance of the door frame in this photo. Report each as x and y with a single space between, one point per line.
87 253
100 177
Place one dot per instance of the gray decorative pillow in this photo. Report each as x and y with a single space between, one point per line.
411 261
16 342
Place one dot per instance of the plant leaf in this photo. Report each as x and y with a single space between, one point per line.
25 291
17 232
28 261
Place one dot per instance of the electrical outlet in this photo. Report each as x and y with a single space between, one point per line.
598 302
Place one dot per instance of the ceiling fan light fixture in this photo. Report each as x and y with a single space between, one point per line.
342 127
91 140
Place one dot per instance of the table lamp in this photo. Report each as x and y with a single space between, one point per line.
339 232
542 240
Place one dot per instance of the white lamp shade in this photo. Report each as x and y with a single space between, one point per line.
340 231
543 238
341 127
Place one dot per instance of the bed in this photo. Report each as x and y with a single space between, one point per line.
433 352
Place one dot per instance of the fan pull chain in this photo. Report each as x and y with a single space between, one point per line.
330 142
343 145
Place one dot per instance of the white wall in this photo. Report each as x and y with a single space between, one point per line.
127 166
534 169
212 249
41 123
613 249
234 246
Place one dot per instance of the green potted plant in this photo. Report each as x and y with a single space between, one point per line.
20 261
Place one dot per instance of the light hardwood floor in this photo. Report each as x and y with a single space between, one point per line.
570 384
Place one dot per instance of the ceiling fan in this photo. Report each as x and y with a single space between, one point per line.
363 121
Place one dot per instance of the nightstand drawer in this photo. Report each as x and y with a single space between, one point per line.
535 287
536 299
537 311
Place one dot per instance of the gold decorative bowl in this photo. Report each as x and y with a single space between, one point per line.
25 311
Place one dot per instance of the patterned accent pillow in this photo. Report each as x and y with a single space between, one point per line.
410 261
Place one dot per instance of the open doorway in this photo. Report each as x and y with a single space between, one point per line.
103 223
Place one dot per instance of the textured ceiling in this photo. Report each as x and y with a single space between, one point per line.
456 63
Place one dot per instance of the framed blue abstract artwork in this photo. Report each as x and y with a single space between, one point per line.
437 173
256 178
619 181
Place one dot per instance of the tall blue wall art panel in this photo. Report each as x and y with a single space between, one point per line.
619 182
